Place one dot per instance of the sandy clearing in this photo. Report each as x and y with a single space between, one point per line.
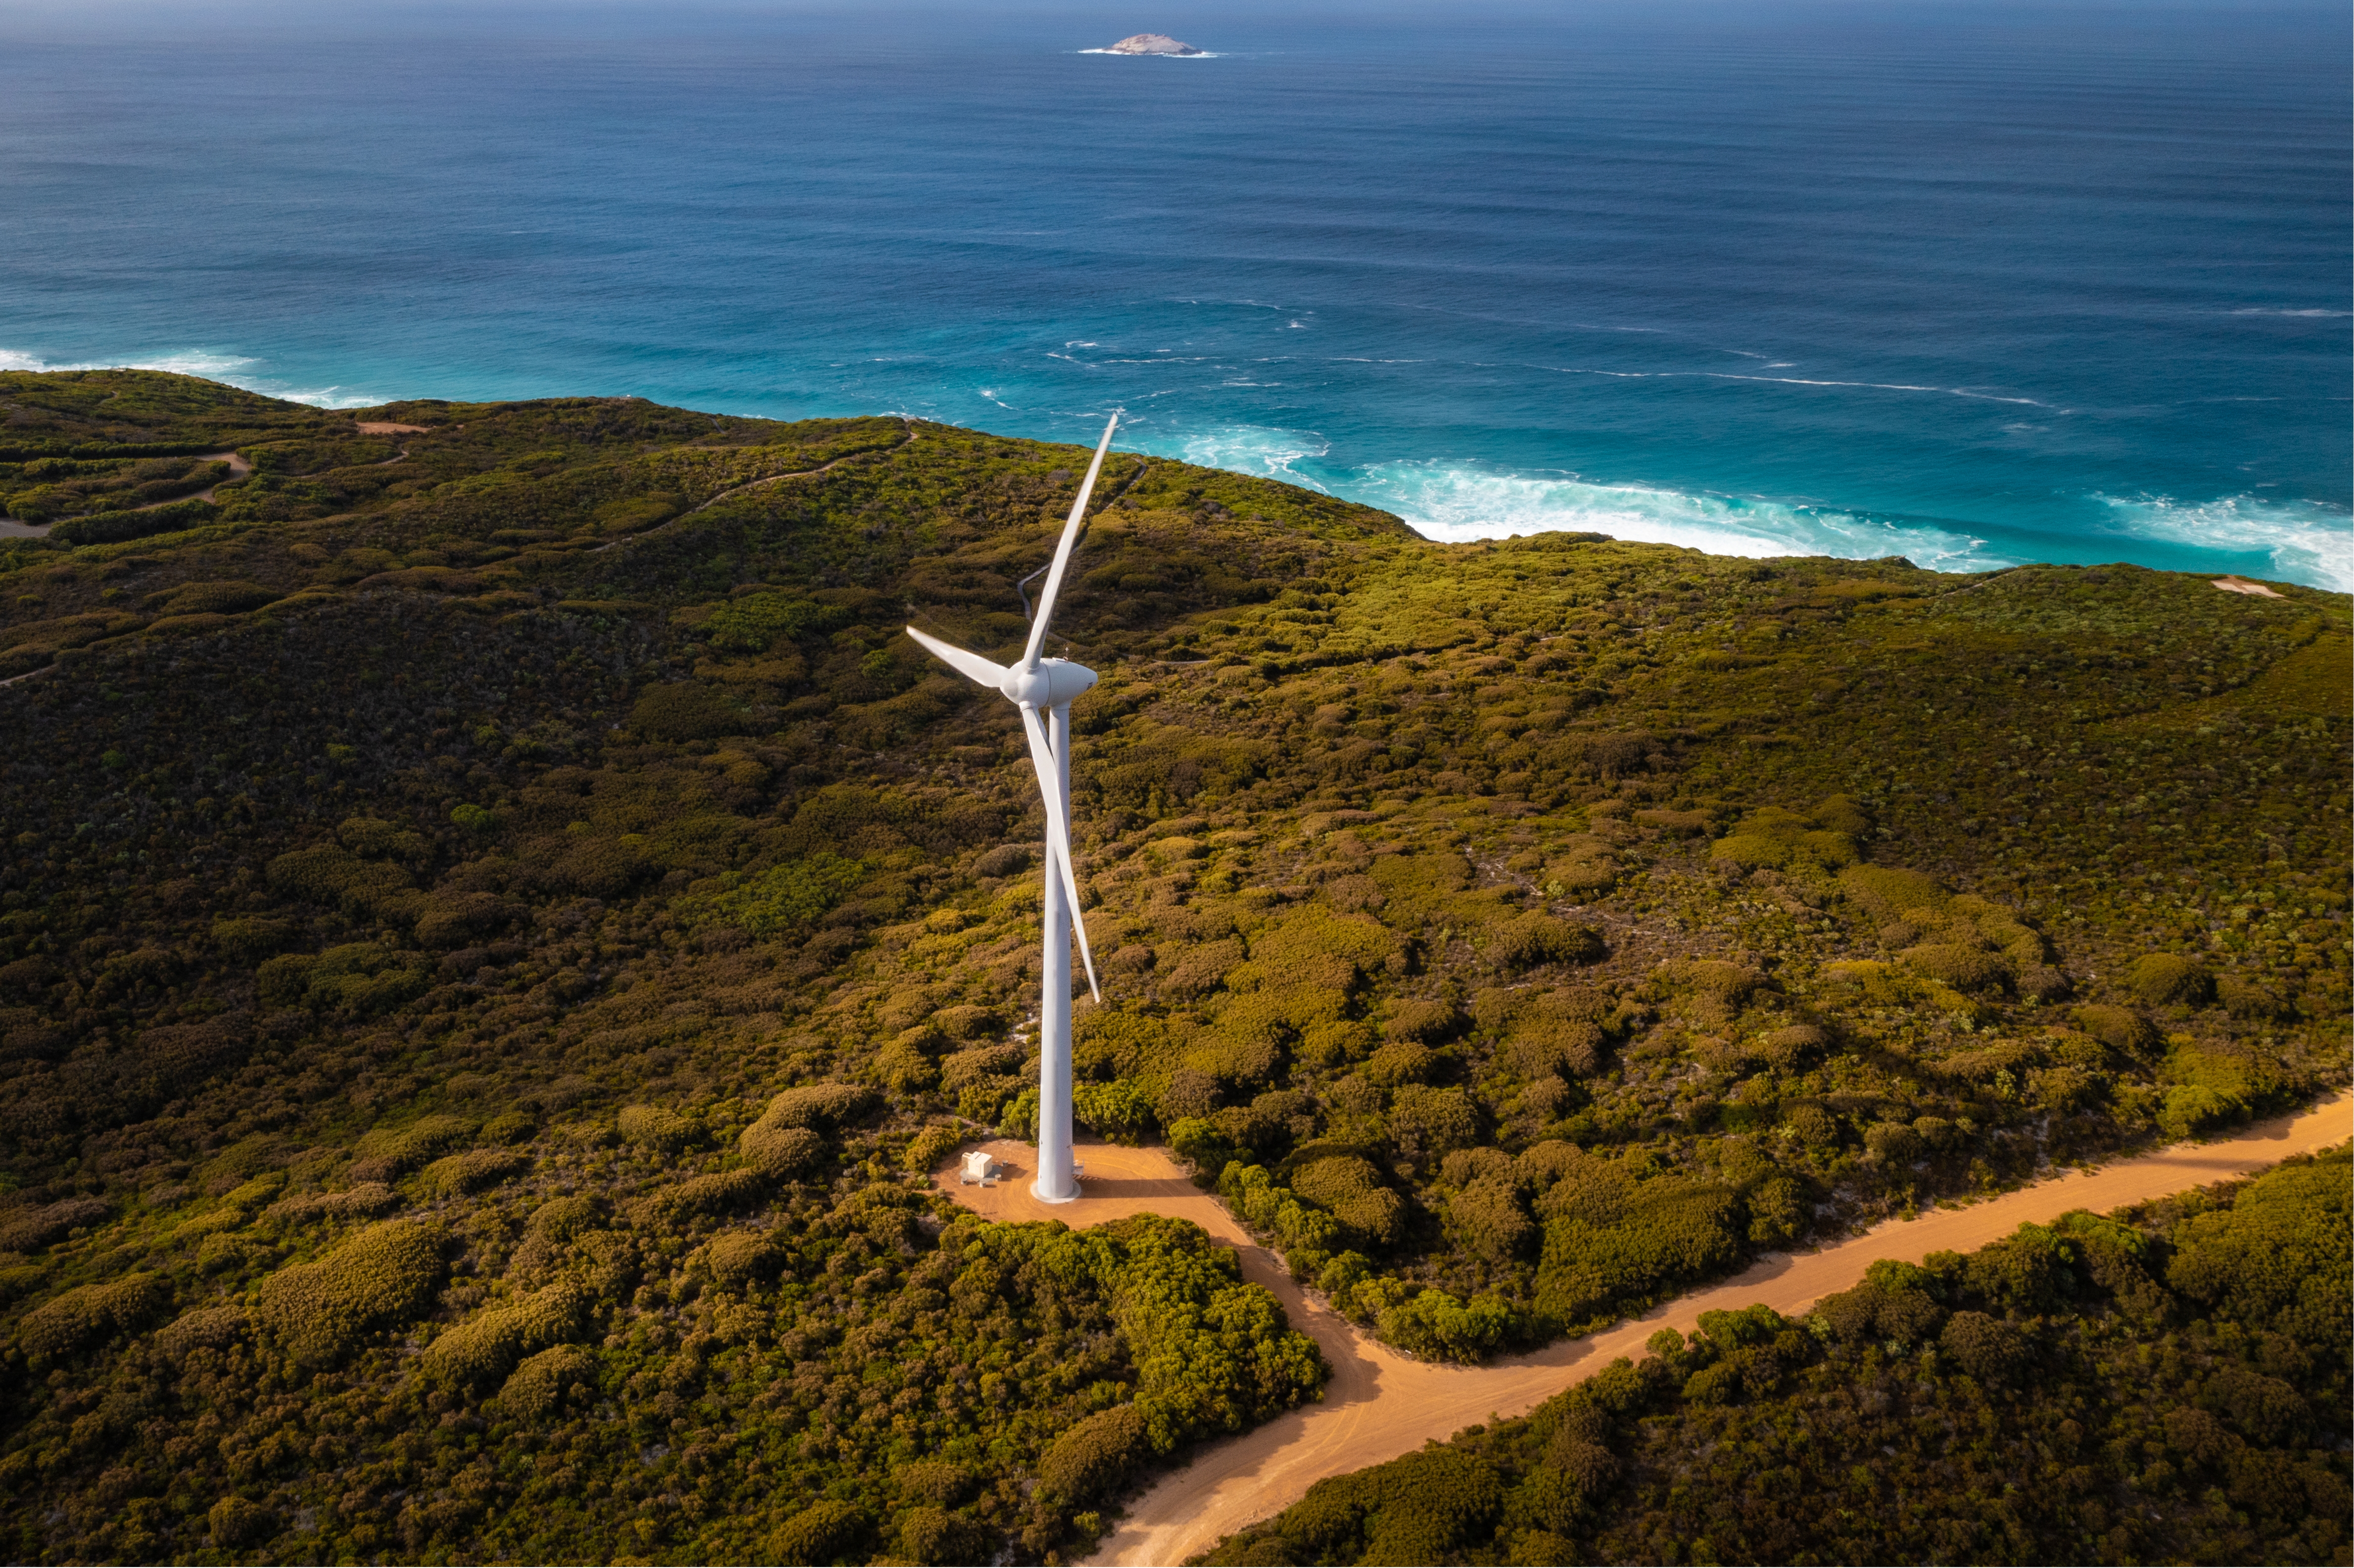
2242 585
386 428
1380 1405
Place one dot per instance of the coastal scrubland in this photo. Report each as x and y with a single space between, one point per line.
498 923
2168 1384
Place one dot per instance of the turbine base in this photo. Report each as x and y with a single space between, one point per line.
1038 1191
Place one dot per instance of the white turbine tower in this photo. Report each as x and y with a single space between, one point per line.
1043 689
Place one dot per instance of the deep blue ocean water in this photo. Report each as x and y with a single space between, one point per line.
1966 283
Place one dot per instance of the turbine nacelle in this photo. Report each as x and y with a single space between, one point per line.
1051 684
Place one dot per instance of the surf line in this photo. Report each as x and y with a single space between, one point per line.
1379 1403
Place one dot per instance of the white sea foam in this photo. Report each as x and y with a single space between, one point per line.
1444 501
1259 449
2308 543
232 368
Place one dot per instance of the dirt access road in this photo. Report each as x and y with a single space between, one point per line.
1380 1405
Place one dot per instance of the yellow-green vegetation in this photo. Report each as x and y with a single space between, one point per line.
448 866
2168 1384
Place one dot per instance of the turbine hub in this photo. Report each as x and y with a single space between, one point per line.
1053 683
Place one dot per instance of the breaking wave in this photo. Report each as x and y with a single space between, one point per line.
1446 501
2306 542
234 369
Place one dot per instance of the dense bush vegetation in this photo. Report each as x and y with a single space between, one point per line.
2164 1385
533 836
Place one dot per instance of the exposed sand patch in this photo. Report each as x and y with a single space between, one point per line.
1380 1405
2242 585
386 428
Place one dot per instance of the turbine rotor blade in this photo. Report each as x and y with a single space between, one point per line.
1062 551
971 665
1058 834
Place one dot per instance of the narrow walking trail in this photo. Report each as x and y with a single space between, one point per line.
1380 1405
907 437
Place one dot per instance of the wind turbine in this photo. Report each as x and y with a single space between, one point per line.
1043 689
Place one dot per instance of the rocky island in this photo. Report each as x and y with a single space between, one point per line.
1153 44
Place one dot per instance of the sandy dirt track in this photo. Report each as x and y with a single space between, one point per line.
1380 1405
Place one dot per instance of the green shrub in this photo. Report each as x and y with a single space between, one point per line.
754 622
929 1534
474 819
780 1152
1890 892
1095 1457
736 1257
964 1068
1350 1188
1772 836
1423 1023
636 513
2163 979
2209 1084
332 876
247 937
1611 1241
227 598
1404 1062
509 1127
783 898
684 712
934 1144
473 1170
2118 1028
544 1384
2277 1258
1435 1326
718 1192
941 1481
387 1274
820 1533
90 1314
1431 1121
652 1127
1020 1119
1988 1349
1247 1051
2246 1000
1963 968
389 1150
207 1328
490 1343
819 1105
116 527
1121 1109
1533 940
968 1021
1489 1215
360 978
451 919
1894 1143
239 1524
30 1231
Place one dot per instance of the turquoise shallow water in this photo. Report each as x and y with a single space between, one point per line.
1969 284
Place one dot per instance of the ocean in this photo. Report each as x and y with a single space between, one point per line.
1972 284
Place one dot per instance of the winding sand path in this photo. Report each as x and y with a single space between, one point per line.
1380 1405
